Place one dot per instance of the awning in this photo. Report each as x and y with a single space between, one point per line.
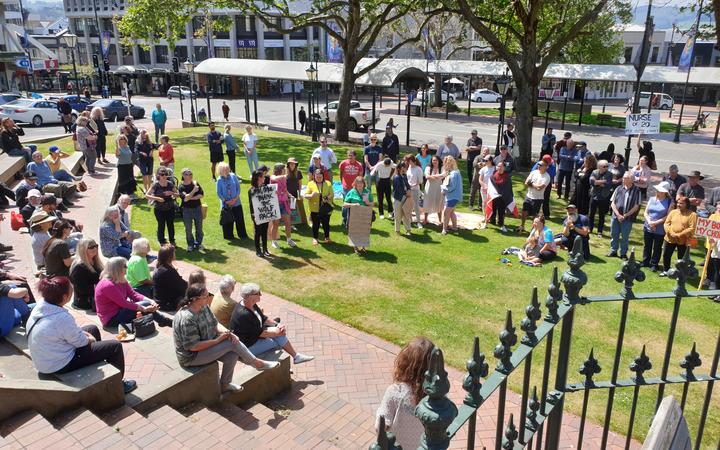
454 81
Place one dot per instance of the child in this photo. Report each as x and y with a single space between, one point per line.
401 194
260 230
166 153
383 187
530 254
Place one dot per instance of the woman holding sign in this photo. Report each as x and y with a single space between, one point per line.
260 229
359 195
228 189
320 197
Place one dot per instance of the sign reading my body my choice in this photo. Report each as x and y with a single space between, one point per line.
645 123
265 204
707 228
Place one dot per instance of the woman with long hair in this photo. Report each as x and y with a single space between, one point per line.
433 202
169 286
320 192
581 195
144 150
359 195
56 251
126 177
452 188
85 273
415 177
98 117
163 193
260 230
641 176
401 397
280 179
294 178
113 235
423 157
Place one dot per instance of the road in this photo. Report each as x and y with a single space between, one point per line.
695 152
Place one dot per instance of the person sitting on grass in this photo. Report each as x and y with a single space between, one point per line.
138 270
58 345
256 331
117 303
200 339
530 253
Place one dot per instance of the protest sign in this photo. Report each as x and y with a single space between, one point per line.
708 228
645 123
265 204
359 225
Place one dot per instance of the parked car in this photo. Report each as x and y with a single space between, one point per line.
431 96
175 91
485 95
7 97
115 109
660 100
36 112
359 117
77 102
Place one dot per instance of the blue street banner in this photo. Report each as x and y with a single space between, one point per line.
429 54
333 50
105 38
687 53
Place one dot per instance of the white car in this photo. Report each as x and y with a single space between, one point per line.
34 111
486 95
431 95
174 91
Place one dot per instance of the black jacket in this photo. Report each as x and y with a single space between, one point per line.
169 287
10 138
244 323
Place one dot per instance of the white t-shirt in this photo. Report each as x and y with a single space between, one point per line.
38 241
485 174
382 170
327 156
250 140
534 178
415 177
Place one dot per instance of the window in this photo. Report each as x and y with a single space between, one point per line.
107 25
274 53
198 23
628 55
222 52
91 26
181 53
247 53
79 26
299 53
654 55
201 54
161 54
112 55
127 55
144 55
245 26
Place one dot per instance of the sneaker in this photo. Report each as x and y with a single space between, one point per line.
129 386
623 257
231 387
663 274
200 248
382 216
420 226
291 243
299 358
444 232
612 254
267 365
275 244
407 233
259 254
266 253
503 229
190 248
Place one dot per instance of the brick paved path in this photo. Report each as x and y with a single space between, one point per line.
340 390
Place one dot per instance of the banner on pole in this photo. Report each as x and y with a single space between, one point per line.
265 204
105 37
645 123
333 49
707 228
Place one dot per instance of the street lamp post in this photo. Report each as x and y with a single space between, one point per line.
71 43
312 75
189 68
548 97
503 84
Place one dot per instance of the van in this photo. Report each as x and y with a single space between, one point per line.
660 101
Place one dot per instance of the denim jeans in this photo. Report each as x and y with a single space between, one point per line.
253 161
125 315
619 235
13 311
190 216
63 175
263 345
159 130
652 248
124 250
22 152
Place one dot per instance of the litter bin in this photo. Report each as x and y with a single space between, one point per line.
317 123
414 109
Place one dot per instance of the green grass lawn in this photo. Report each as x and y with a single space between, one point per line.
450 288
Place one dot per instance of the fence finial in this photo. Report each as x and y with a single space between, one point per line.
435 410
511 435
532 315
503 351
690 362
641 365
589 368
533 407
574 278
683 270
628 274
554 296
477 368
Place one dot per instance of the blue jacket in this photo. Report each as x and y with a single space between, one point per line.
43 173
159 117
400 187
580 158
228 188
230 144
454 188
551 170
567 159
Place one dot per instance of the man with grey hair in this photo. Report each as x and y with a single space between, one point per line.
223 304
123 203
256 331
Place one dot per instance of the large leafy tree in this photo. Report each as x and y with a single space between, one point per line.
529 35
153 20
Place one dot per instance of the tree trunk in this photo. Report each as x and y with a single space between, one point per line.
524 121
437 102
343 111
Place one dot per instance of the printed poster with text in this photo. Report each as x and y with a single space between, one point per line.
359 225
265 204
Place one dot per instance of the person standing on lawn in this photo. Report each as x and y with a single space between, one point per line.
231 147
473 149
679 230
390 144
249 141
537 181
656 212
159 118
320 198
349 170
260 230
215 142
401 194
452 188
302 118
228 190
191 194
625 204
600 192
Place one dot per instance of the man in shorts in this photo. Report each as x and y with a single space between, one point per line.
537 181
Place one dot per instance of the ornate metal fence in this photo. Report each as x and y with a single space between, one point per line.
543 411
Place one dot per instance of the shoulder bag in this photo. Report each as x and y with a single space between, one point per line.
144 326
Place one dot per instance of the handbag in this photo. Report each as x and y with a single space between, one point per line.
325 208
226 216
144 326
16 220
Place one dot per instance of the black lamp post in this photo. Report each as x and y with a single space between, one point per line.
189 69
312 75
71 43
503 84
548 97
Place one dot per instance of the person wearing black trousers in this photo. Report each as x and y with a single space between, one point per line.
302 118
319 192
260 230
384 173
163 193
228 190
96 114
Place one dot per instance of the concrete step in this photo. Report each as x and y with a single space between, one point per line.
30 430
139 430
90 431
184 430
220 425
14 364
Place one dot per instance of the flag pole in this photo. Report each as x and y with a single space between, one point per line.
676 139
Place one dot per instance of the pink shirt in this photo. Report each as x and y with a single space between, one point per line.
110 298
282 191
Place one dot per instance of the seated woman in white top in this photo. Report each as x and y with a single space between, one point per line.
401 397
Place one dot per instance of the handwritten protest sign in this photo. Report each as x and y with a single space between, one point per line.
359 225
645 123
265 204
707 228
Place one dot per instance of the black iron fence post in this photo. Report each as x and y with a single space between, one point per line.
372 126
582 105
435 410
562 125
717 128
469 95
255 100
399 96
292 87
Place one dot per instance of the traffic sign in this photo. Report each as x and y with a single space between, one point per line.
23 63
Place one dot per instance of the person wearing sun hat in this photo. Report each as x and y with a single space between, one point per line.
54 160
692 190
40 222
656 211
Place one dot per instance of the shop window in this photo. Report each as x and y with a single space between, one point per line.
222 52
161 54
143 55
